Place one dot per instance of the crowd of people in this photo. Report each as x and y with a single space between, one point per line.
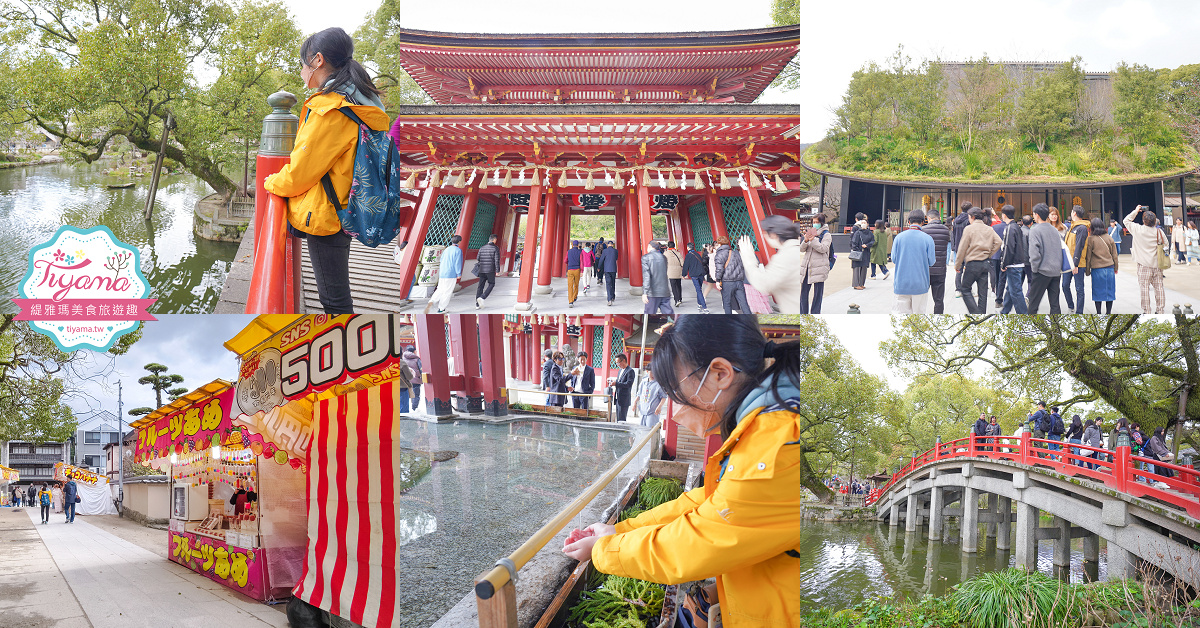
47 496
568 379
1048 424
1016 263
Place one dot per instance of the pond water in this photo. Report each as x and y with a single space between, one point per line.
505 483
186 273
844 564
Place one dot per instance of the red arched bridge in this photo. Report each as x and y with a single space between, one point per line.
1144 509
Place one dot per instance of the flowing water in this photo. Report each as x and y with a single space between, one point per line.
844 564
185 272
505 483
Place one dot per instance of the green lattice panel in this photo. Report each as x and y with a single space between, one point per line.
737 219
618 346
701 229
445 219
485 218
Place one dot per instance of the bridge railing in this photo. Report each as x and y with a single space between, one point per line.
1120 470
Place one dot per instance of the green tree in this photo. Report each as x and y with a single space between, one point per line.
377 46
94 72
867 104
1139 367
921 100
1183 100
35 378
159 381
784 13
1047 109
980 99
1140 107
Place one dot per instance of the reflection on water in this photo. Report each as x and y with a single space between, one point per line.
844 564
185 272
505 483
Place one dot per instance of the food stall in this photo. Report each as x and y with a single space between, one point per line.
95 497
7 476
235 518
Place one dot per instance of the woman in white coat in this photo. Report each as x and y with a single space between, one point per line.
783 275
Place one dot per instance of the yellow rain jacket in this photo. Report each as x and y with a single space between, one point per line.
325 142
738 527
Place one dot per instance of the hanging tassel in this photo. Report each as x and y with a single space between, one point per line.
507 179
699 182
724 181
671 182
562 179
755 182
434 178
461 181
617 182
589 184
496 177
483 181
533 177
779 186
662 183
646 178
411 182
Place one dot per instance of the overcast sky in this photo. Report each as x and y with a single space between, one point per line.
839 37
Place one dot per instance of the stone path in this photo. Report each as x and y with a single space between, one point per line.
80 575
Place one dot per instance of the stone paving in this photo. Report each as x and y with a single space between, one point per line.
80 575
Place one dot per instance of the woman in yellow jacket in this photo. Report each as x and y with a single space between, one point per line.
325 143
743 525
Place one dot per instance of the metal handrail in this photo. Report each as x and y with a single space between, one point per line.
495 610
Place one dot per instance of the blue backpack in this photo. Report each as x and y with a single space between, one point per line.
372 213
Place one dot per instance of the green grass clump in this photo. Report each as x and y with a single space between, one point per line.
618 603
1013 598
655 492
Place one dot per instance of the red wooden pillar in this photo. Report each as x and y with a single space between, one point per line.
562 330
525 286
465 345
636 244
645 230
431 343
491 350
498 222
716 216
586 340
523 358
466 222
711 444
755 209
412 253
513 370
562 242
672 440
512 240
619 237
545 253
535 353
606 350
685 225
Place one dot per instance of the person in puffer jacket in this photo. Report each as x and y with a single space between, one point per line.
743 526
488 259
731 278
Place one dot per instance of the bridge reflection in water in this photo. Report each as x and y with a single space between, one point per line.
844 564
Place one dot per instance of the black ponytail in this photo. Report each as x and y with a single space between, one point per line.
781 227
337 48
696 340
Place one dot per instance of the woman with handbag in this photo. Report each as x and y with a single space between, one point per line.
861 241
1102 266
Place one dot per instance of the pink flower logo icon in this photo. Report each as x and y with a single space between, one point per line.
58 255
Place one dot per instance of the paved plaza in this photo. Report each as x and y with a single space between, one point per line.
64 576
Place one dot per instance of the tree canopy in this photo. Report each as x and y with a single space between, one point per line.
159 380
35 377
1137 366
784 13
91 72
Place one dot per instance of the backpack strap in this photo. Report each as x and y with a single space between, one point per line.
326 181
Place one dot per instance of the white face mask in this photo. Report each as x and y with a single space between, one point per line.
707 406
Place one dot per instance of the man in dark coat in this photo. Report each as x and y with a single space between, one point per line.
488 259
623 387
960 223
937 273
608 265
695 269
656 290
731 278
547 366
583 381
70 492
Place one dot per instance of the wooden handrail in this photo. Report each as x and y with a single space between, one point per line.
608 398
495 594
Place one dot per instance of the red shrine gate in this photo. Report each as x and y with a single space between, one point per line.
625 125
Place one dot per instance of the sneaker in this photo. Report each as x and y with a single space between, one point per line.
958 295
705 311
478 302
441 311
610 303
1162 485
570 304
886 274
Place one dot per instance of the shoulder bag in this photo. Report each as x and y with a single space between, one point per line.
1164 261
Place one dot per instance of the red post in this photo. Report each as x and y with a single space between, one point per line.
606 349
562 330
563 241
619 237
672 439
529 256
635 246
513 370
491 350
412 253
545 253
1026 443
711 444
971 445
535 358
586 339
431 345
1120 470
270 282
716 215
755 209
645 230
466 221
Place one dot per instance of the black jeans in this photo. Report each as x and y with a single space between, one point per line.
733 297
975 274
488 279
994 276
610 285
622 412
818 292
45 513
676 289
1075 303
330 257
937 288
580 402
1040 284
